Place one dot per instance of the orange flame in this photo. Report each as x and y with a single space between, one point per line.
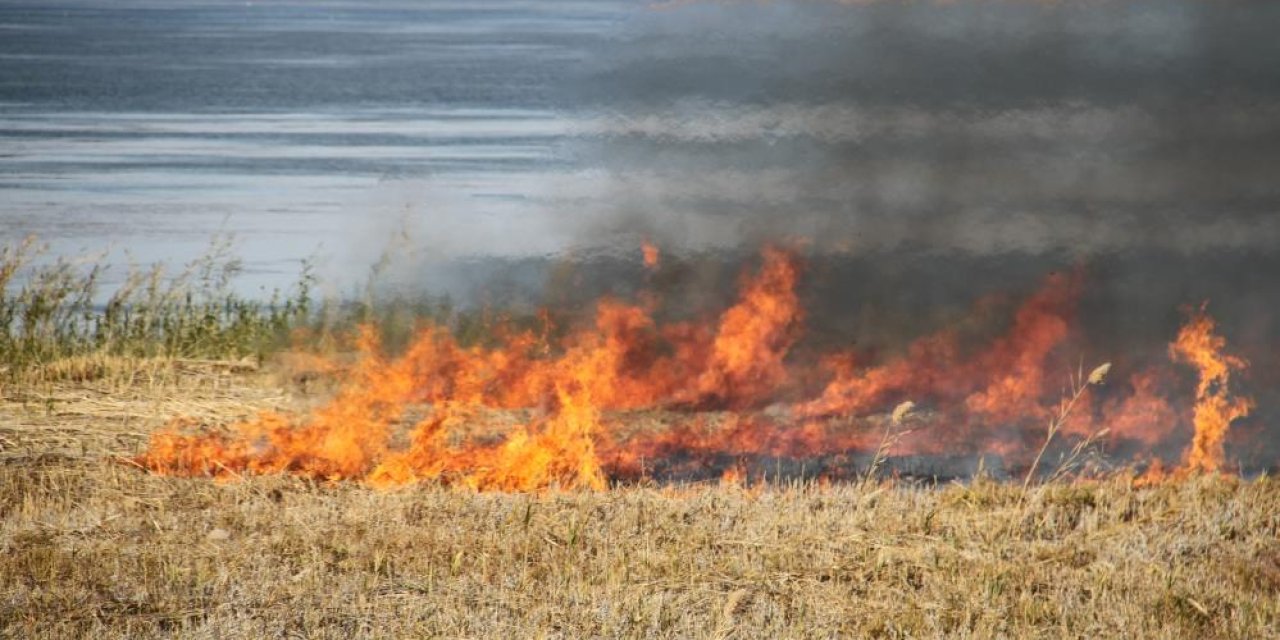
1215 409
649 253
616 365
1144 415
1002 384
339 443
754 336
732 477
526 413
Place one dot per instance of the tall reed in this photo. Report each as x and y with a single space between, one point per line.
57 309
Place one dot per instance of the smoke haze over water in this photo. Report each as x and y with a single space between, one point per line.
977 127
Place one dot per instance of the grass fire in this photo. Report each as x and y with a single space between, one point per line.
623 398
711 475
674 319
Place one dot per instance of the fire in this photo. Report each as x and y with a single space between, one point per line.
649 254
1019 359
1001 384
1215 409
339 442
615 364
623 396
754 336
1143 415
732 477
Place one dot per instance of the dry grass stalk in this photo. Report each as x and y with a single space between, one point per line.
1079 383
893 433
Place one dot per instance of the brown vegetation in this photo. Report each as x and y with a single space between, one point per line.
93 547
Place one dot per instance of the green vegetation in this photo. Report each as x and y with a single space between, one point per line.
58 310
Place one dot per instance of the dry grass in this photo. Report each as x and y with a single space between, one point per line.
90 547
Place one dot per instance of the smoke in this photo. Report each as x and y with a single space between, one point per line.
977 127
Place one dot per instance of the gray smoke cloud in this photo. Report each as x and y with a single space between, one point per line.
979 127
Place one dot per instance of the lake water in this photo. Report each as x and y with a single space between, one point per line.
304 128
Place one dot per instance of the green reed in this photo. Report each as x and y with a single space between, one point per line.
57 309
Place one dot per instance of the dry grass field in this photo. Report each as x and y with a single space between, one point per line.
91 546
